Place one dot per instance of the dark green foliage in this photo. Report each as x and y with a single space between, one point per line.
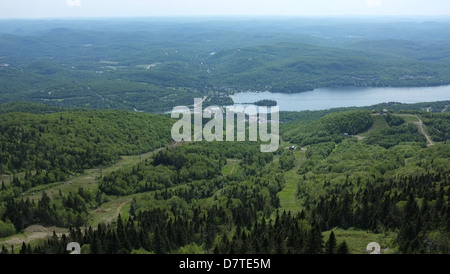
438 126
296 67
287 117
60 143
388 182
184 164
287 160
392 136
230 224
153 231
314 240
350 156
4 250
320 151
51 147
63 211
266 103
331 244
218 100
342 248
394 121
393 204
28 107
330 128
153 66
186 200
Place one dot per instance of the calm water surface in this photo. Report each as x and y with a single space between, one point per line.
326 98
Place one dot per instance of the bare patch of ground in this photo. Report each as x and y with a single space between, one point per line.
33 232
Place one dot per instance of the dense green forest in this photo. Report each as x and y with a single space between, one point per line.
153 66
224 197
87 154
332 127
50 147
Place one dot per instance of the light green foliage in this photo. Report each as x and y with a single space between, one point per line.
190 249
287 160
71 141
6 228
330 128
437 126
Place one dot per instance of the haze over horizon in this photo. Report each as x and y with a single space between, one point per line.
41 9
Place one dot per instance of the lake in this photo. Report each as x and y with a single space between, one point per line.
326 98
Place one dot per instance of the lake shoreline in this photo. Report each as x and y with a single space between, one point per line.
329 98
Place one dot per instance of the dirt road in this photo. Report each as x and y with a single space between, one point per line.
421 128
33 232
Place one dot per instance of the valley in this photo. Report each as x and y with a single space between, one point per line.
87 154
296 185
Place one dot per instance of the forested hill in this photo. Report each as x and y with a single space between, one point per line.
296 67
153 66
84 152
364 175
28 107
69 141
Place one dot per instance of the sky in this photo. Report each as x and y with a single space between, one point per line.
151 8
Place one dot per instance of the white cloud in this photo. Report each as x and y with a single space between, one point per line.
373 3
73 3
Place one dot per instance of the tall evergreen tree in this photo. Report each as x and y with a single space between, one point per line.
331 244
314 241
4 250
24 249
342 248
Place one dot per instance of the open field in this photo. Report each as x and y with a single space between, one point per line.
231 166
357 240
378 124
288 195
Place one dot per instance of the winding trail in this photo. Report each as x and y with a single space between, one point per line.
119 208
421 128
108 212
360 138
231 172
32 233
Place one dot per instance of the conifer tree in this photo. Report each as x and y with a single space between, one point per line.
342 248
4 250
24 249
331 244
314 241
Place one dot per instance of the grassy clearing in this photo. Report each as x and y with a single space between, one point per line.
409 118
378 124
231 167
89 179
288 195
109 211
34 235
357 240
